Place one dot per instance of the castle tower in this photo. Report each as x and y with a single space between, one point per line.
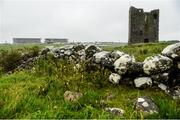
143 26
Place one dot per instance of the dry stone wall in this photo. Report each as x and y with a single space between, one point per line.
162 70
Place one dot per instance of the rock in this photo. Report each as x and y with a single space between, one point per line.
100 55
117 54
161 77
91 66
135 68
146 105
80 55
56 50
25 56
114 78
157 64
107 63
142 82
78 47
121 64
82 58
44 51
172 51
163 87
90 50
68 52
175 92
115 111
103 58
72 96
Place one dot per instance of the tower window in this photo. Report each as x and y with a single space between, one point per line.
146 40
155 16
141 32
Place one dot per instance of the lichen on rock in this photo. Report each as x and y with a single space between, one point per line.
142 82
157 64
146 105
121 64
172 51
114 78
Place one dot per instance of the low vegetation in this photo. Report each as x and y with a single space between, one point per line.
38 92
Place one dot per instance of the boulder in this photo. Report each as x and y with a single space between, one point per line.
142 82
81 52
72 96
103 58
114 78
107 63
172 51
78 47
146 105
80 55
121 64
68 52
157 64
100 55
135 68
90 50
115 111
56 50
116 54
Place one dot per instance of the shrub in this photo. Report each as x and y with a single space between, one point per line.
9 60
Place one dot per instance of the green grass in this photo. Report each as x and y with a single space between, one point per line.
141 51
38 92
18 46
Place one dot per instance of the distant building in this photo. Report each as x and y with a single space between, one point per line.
143 26
56 40
26 40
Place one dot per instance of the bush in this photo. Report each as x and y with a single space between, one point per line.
9 60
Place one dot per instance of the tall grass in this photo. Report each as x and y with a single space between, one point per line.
141 51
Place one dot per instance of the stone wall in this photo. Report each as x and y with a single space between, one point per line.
158 71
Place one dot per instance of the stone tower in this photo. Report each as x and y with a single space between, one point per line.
143 26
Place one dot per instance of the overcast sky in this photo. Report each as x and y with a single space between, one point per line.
82 20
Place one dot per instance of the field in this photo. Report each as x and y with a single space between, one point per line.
38 92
